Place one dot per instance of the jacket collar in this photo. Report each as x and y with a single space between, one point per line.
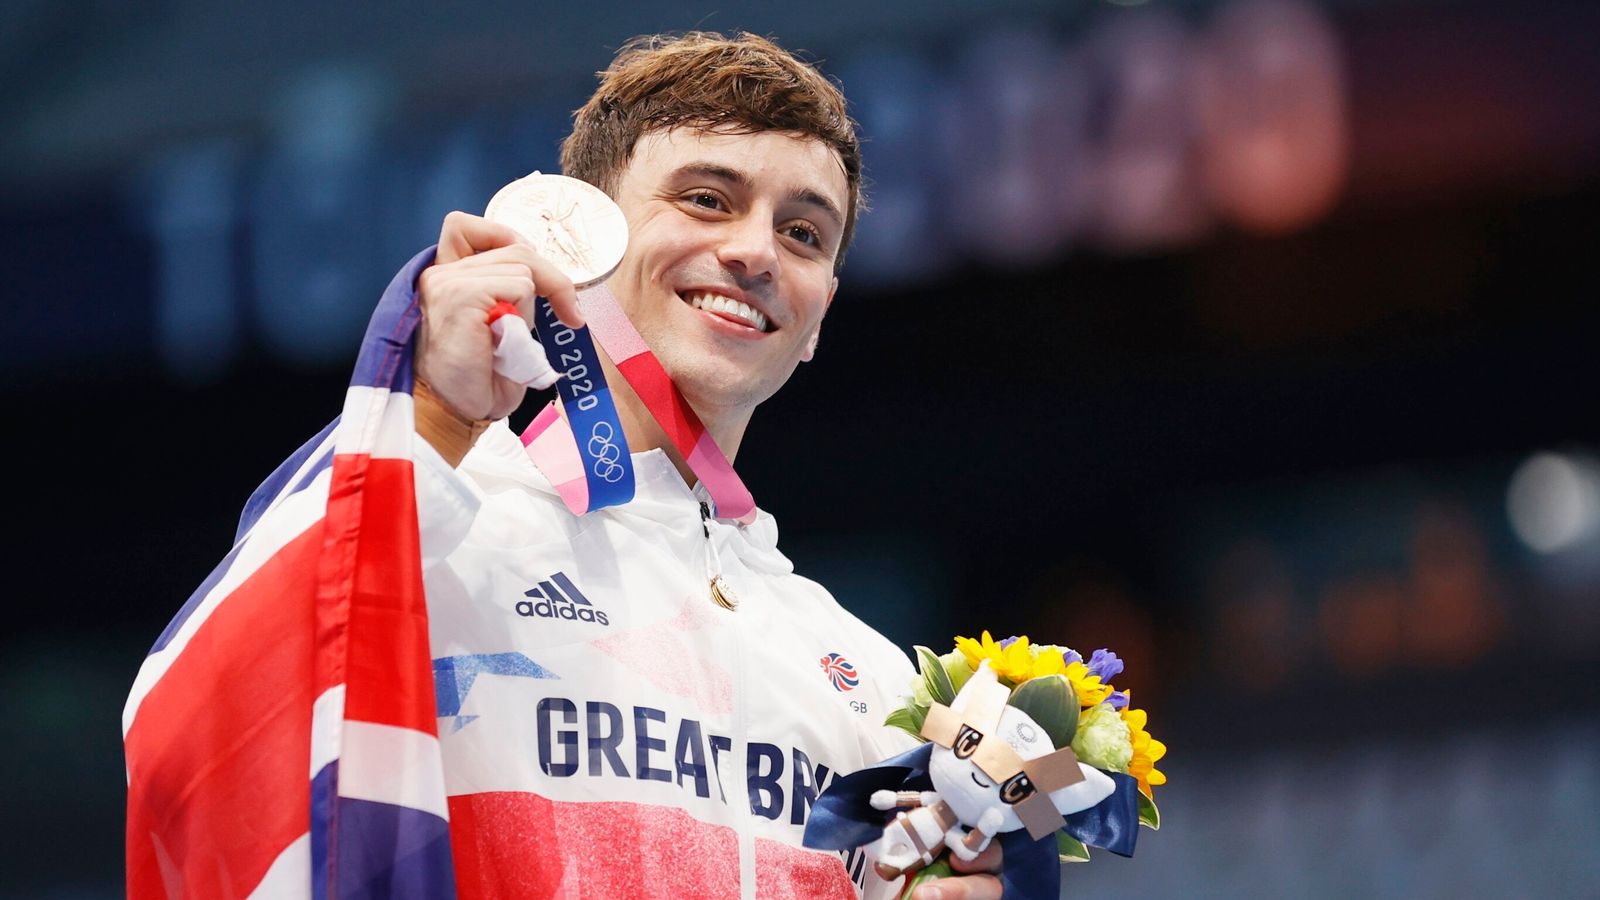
659 495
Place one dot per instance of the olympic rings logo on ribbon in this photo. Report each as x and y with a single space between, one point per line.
607 469
605 453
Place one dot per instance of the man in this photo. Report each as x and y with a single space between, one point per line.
609 727
739 173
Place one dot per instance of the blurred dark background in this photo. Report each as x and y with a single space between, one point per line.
1250 338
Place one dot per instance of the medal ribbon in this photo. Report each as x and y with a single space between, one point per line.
597 470
574 465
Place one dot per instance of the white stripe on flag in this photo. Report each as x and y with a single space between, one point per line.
376 421
388 764
327 714
271 534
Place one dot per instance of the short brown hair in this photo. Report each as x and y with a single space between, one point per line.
702 79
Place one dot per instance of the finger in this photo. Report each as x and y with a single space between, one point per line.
471 267
987 861
551 282
964 887
513 254
555 286
482 293
464 234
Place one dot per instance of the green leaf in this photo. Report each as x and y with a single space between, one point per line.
935 677
1149 816
1070 848
957 667
940 868
902 718
1052 703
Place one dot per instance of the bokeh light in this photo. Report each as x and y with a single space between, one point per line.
1554 501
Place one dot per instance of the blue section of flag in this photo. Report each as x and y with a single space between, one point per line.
388 852
261 500
324 794
386 351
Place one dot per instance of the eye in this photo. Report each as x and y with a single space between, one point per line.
705 200
1017 788
966 742
804 232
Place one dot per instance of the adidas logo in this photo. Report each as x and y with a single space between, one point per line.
559 598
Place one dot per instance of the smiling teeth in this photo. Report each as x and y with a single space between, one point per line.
730 306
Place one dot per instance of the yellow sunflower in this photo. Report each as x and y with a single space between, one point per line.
1091 692
1015 661
1146 751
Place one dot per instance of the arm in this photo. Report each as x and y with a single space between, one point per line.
967 846
902 799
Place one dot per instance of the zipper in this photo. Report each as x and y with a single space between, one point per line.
738 793
741 751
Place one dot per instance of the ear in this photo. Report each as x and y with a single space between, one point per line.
1095 786
980 683
811 342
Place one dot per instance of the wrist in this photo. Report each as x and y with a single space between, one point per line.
442 425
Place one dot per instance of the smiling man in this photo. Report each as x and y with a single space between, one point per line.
675 747
609 725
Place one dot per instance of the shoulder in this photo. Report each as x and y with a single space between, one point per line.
876 650
518 502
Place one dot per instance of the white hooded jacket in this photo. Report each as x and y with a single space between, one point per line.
607 729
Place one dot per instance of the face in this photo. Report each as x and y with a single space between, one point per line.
729 268
968 789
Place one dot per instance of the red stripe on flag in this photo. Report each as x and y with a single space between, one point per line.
373 558
219 750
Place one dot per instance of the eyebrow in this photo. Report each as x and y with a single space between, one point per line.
803 195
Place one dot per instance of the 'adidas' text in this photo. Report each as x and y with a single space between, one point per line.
559 598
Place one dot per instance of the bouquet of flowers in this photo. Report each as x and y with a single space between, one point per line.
1025 742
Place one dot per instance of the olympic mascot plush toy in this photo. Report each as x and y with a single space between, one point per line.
988 769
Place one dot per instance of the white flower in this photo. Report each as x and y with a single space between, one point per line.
1102 740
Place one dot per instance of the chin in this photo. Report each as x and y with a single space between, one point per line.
713 383
711 389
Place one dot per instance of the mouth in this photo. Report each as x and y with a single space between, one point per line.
979 783
728 309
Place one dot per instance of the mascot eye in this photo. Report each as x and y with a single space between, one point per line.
1017 788
966 742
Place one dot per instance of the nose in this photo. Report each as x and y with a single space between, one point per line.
749 246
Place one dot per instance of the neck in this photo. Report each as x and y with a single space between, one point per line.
644 433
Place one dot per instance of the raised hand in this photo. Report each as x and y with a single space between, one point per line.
479 263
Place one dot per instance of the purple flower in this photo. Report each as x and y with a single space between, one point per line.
1118 699
1105 664
1008 642
1071 656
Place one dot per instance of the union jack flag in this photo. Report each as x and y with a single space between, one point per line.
280 737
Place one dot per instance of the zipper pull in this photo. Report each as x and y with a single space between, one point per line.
721 593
